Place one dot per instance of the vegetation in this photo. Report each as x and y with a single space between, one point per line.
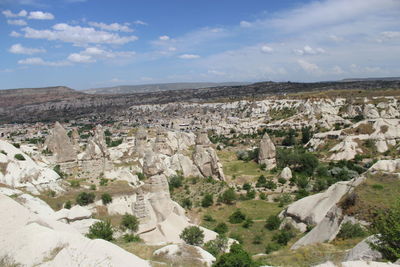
85 198
19 157
130 222
237 257
350 230
106 198
273 222
192 235
207 201
217 246
237 217
101 230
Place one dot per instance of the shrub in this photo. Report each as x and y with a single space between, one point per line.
19 157
263 166
298 160
271 247
192 235
305 134
251 194
246 186
271 185
84 198
237 217
140 176
301 193
247 223
261 181
207 201
257 239
175 181
284 199
349 230
129 222
221 228
101 230
57 169
386 226
283 236
208 218
290 138
103 182
93 187
187 203
106 198
17 145
237 256
302 182
128 238
237 237
68 204
273 222
229 196
74 183
263 196
281 180
217 246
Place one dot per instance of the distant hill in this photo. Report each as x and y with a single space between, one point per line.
147 88
370 79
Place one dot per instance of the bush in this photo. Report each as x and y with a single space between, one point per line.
93 187
248 223
106 198
128 238
19 157
271 185
263 196
284 199
57 169
208 218
273 222
251 194
271 247
301 193
261 181
257 239
221 228
175 181
349 230
192 235
282 180
237 217
237 237
386 226
298 160
246 186
74 183
302 182
305 134
229 196
237 256
103 182
140 176
283 236
84 198
207 201
290 138
101 230
130 222
187 203
217 246
68 204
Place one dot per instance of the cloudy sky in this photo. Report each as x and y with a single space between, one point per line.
96 43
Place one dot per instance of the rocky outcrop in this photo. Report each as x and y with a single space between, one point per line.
386 166
267 153
286 173
18 170
357 264
60 144
206 160
60 244
363 251
182 253
96 147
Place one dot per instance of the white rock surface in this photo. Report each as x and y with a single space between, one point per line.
386 166
178 253
357 264
363 251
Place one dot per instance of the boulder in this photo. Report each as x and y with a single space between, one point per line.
182 253
386 166
363 251
60 144
286 173
267 152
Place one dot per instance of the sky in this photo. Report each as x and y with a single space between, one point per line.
99 43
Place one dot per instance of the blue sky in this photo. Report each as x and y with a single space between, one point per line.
97 43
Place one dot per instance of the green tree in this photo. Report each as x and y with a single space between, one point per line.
273 222
129 222
192 235
101 230
350 230
217 246
237 217
386 226
221 228
290 138
207 201
84 198
19 157
106 198
237 257
229 196
305 134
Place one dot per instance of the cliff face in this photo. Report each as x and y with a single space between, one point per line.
54 103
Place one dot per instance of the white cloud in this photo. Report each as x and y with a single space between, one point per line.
164 38
308 50
266 49
19 49
189 56
245 24
15 34
18 22
91 54
40 15
79 58
40 62
8 14
140 22
390 34
309 67
112 27
77 35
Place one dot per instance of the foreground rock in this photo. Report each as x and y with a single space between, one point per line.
183 254
60 244
363 251
357 264
267 153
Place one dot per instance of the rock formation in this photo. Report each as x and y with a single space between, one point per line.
286 173
363 251
267 153
60 144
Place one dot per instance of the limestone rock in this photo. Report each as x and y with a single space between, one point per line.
162 146
286 173
206 160
370 111
386 166
363 251
21 232
76 213
202 139
357 264
59 143
96 147
180 162
25 173
153 164
345 150
267 152
181 253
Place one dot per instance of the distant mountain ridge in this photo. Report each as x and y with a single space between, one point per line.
157 87
371 79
